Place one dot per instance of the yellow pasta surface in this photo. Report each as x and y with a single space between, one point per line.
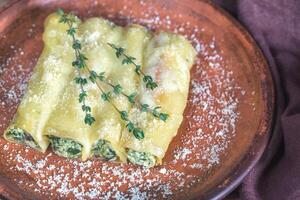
50 106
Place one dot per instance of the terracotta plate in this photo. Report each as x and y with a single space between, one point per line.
225 128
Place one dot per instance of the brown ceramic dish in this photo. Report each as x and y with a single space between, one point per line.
226 123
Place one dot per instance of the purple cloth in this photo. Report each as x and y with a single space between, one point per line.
275 25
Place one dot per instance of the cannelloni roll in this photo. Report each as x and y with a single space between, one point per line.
48 80
168 59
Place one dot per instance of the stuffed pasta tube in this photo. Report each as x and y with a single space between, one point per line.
54 66
168 59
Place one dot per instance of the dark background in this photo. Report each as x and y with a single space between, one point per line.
275 25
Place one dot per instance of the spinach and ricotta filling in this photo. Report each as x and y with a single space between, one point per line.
141 158
65 147
104 150
20 136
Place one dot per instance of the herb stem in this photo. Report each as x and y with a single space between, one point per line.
89 119
147 79
139 104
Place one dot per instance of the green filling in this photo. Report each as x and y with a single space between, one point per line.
65 147
16 134
104 150
20 136
141 158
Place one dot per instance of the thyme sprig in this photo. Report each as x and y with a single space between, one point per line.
79 63
127 59
118 89
106 96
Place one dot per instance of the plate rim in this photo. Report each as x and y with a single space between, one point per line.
268 91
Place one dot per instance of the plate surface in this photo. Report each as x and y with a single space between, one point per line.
225 128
